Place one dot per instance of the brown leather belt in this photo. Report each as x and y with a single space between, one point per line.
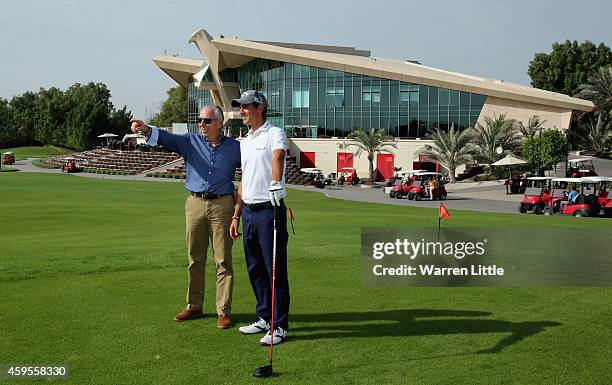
205 195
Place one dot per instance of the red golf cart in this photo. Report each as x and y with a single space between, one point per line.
8 158
603 192
583 205
69 164
537 195
348 175
580 167
404 184
425 181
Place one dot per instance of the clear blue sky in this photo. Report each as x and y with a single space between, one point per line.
60 42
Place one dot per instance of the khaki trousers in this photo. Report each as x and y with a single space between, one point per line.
209 220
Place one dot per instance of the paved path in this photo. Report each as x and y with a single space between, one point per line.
26 166
488 198
477 196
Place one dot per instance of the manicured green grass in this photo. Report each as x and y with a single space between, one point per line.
92 272
37 151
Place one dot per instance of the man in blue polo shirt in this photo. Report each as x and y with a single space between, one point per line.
211 160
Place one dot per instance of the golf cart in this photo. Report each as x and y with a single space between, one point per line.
516 184
580 167
8 158
420 190
313 177
402 185
348 175
603 192
583 205
69 164
537 195
330 179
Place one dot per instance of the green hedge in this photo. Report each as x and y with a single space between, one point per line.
43 164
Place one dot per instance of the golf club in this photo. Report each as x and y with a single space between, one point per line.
266 370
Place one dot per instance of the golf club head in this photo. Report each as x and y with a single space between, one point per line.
264 371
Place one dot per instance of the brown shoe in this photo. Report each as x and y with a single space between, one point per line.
187 315
224 321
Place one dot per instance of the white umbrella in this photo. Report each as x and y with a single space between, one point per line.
107 136
509 160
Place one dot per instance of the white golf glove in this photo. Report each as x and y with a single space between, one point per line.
277 192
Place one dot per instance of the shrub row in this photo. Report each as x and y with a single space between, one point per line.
105 171
484 177
43 164
166 175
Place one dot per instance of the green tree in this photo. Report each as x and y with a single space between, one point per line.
6 124
73 118
24 116
568 65
371 142
546 150
49 116
120 121
598 89
451 149
554 148
596 133
532 151
174 109
497 131
88 115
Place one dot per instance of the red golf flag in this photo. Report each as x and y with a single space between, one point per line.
443 213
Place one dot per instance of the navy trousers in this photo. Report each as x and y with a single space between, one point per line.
258 235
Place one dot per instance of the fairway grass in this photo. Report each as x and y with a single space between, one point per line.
22 153
92 272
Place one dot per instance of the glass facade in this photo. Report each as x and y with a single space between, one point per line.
196 99
315 102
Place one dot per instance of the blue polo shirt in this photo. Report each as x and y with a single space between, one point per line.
209 169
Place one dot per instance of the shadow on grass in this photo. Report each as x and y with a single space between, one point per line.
396 323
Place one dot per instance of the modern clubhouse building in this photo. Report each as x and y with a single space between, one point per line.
319 94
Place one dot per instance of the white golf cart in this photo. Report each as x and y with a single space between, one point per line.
580 167
313 177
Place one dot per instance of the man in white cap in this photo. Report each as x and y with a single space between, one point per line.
262 190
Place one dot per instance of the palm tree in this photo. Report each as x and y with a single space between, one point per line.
371 142
597 134
451 149
534 125
598 89
497 131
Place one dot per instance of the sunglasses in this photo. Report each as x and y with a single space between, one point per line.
205 120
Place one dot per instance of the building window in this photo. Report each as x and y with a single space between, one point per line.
330 102
300 99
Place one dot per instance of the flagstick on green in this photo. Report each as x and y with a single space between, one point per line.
443 213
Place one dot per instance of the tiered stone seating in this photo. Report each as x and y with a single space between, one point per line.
292 172
130 162
179 169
